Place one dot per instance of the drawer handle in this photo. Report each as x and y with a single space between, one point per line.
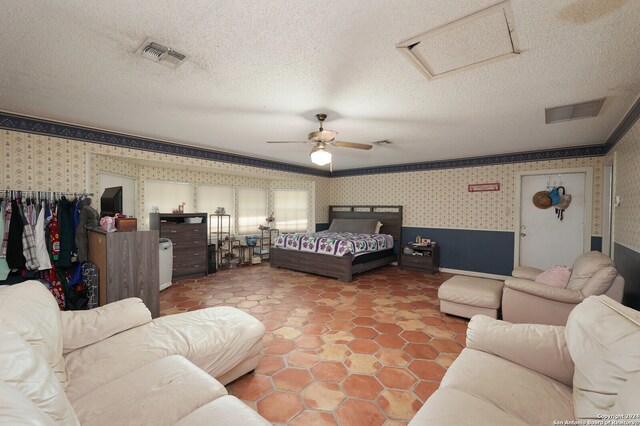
196 254
173 231
197 266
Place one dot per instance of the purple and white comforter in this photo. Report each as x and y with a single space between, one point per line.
335 243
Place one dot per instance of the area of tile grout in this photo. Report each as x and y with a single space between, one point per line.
369 352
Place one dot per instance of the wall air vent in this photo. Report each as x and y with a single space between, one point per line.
474 40
574 111
161 54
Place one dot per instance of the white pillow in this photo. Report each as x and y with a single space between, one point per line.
378 226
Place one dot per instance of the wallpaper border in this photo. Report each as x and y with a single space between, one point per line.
20 123
490 160
15 122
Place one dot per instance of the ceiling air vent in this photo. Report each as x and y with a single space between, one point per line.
161 54
573 111
474 40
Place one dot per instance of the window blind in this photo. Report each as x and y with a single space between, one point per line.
291 210
167 195
252 210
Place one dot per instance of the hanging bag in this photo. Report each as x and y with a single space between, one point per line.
563 204
555 196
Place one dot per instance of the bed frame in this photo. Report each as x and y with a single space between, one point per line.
342 267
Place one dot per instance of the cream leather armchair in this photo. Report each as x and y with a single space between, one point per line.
526 301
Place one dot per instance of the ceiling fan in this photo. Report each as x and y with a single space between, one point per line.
321 138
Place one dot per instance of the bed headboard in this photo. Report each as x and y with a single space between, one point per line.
390 216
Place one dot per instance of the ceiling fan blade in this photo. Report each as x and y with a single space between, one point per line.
287 141
352 145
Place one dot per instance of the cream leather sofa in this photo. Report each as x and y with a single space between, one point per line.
115 366
532 374
526 301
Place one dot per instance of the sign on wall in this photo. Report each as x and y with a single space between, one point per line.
484 187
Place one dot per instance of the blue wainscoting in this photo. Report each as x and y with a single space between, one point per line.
628 265
490 252
596 243
470 250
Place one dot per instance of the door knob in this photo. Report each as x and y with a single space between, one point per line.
522 234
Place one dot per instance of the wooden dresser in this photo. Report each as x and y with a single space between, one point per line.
127 266
189 241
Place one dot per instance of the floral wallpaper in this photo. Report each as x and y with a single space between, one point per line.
627 187
439 198
35 162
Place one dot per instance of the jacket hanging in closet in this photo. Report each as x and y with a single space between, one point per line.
15 256
28 241
67 232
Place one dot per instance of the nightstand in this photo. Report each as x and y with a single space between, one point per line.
420 258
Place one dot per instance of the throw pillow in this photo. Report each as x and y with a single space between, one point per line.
557 276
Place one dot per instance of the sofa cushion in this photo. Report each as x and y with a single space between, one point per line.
26 370
585 266
17 409
214 339
83 328
226 410
161 392
600 282
603 338
538 347
628 400
31 310
452 407
519 392
473 291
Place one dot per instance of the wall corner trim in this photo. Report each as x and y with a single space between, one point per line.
627 122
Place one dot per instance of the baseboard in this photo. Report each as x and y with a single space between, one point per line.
474 274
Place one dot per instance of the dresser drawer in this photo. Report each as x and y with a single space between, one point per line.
190 269
188 257
416 262
182 243
168 229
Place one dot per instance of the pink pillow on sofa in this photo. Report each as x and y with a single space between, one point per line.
557 276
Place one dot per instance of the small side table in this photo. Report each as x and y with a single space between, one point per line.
420 258
245 255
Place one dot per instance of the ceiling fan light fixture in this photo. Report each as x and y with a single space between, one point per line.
320 156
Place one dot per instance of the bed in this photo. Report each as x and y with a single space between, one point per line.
344 267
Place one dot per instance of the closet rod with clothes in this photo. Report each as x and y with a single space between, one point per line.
32 193
38 228
40 241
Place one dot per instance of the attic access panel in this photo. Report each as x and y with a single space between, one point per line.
474 40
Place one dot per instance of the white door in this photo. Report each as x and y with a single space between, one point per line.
129 191
544 239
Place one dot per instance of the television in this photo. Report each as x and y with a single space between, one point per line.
111 201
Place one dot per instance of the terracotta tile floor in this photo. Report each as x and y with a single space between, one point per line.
368 352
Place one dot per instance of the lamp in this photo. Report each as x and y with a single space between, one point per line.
320 156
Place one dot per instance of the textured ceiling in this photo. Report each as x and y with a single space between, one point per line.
261 70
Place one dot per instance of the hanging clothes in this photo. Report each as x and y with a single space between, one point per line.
77 207
41 244
5 236
56 287
67 232
4 267
28 241
89 218
15 256
54 237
